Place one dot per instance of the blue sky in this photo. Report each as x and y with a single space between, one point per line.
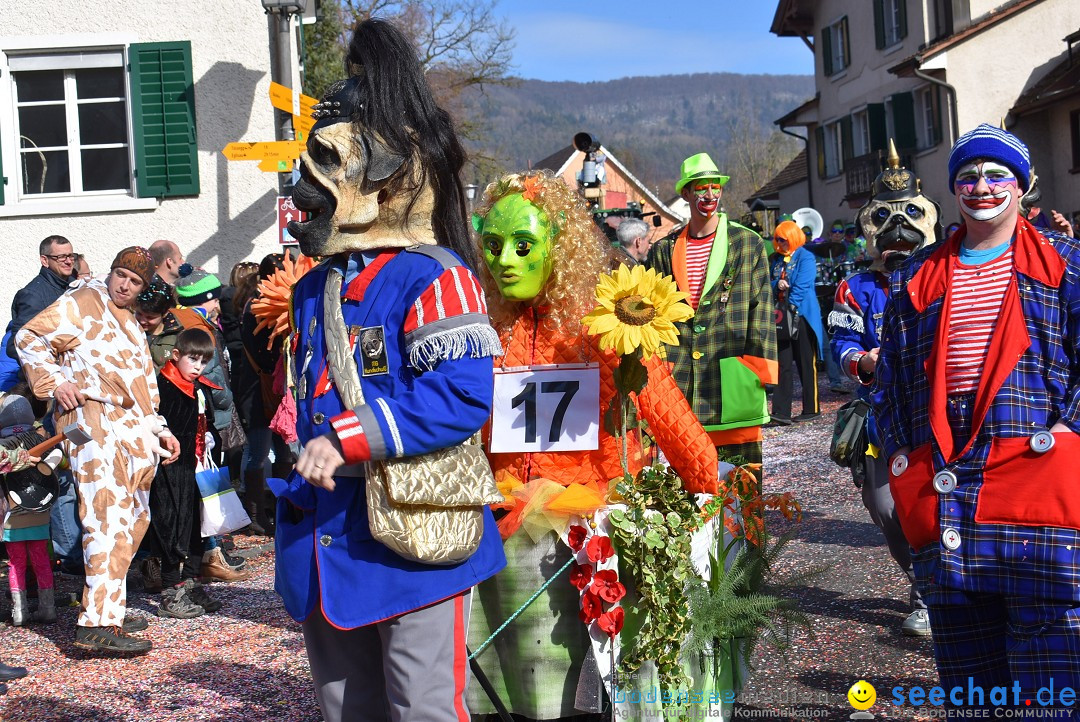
603 40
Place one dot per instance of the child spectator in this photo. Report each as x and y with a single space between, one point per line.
174 496
26 518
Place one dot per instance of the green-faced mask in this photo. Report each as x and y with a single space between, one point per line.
516 237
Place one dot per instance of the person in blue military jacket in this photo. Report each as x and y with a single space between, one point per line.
896 221
385 636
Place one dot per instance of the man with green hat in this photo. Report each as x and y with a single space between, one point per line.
726 353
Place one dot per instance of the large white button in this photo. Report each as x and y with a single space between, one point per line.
950 539
899 465
1041 442
944 481
326 540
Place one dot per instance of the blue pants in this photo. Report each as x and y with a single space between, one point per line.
66 529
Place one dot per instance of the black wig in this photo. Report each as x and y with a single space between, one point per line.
396 103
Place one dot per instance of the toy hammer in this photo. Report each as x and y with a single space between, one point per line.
72 432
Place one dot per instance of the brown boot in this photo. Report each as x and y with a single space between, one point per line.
215 568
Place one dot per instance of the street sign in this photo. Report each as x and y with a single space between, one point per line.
275 166
283 98
286 212
271 150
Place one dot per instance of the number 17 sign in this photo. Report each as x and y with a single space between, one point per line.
546 408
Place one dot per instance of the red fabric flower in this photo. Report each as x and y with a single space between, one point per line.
532 188
580 575
576 537
591 607
611 622
599 549
606 585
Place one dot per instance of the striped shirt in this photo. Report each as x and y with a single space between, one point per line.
977 295
697 260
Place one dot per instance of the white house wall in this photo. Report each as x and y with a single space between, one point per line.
233 218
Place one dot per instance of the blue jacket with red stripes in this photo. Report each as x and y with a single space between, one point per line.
424 355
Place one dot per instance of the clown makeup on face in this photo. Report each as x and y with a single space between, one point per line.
516 237
704 196
985 189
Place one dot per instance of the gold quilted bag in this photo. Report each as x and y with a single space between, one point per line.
427 508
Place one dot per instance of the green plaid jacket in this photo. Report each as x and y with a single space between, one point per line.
727 351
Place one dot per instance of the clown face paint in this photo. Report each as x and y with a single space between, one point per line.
985 189
704 197
516 237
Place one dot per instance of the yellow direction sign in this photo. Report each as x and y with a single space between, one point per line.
282 99
273 150
275 166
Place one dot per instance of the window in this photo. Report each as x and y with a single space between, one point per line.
836 47
943 19
927 117
93 128
1074 134
890 22
860 133
71 121
830 149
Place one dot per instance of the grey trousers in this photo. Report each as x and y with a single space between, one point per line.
878 501
410 668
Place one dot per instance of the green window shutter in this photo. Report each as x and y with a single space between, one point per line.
875 117
847 41
846 145
819 141
826 50
163 118
903 107
903 17
879 23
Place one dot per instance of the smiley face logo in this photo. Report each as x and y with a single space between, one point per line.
862 695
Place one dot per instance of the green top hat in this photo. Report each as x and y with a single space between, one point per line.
699 167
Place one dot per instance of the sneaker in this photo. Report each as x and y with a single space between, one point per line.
235 563
917 624
110 639
806 417
176 603
779 421
9 673
198 595
214 566
135 624
150 568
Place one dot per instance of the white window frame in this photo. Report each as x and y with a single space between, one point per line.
891 20
834 150
838 46
860 132
925 118
15 203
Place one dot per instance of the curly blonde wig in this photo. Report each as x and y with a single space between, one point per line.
579 252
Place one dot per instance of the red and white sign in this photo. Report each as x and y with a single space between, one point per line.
286 212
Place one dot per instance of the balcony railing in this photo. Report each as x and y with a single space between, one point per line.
861 171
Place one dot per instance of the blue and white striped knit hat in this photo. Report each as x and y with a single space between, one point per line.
991 143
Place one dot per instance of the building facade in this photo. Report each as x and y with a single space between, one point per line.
113 117
920 72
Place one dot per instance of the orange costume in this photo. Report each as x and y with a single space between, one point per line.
671 421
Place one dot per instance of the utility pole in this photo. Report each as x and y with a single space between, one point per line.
279 15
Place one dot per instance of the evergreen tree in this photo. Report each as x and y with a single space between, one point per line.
324 49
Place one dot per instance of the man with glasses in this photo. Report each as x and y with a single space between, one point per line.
57 271
726 353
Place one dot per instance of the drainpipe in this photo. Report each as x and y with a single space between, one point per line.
809 167
948 89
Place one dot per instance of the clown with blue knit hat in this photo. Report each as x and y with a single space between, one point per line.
978 409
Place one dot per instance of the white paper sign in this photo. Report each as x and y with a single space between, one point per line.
546 408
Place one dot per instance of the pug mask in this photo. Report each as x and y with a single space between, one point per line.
898 219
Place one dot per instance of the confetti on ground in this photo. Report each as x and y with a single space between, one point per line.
247 661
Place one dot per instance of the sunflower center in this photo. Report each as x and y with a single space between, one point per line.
633 310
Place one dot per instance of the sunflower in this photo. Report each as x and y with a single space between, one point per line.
638 310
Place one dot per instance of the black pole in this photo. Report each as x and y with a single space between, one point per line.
489 690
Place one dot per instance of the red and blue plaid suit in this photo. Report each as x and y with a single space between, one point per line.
1003 602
